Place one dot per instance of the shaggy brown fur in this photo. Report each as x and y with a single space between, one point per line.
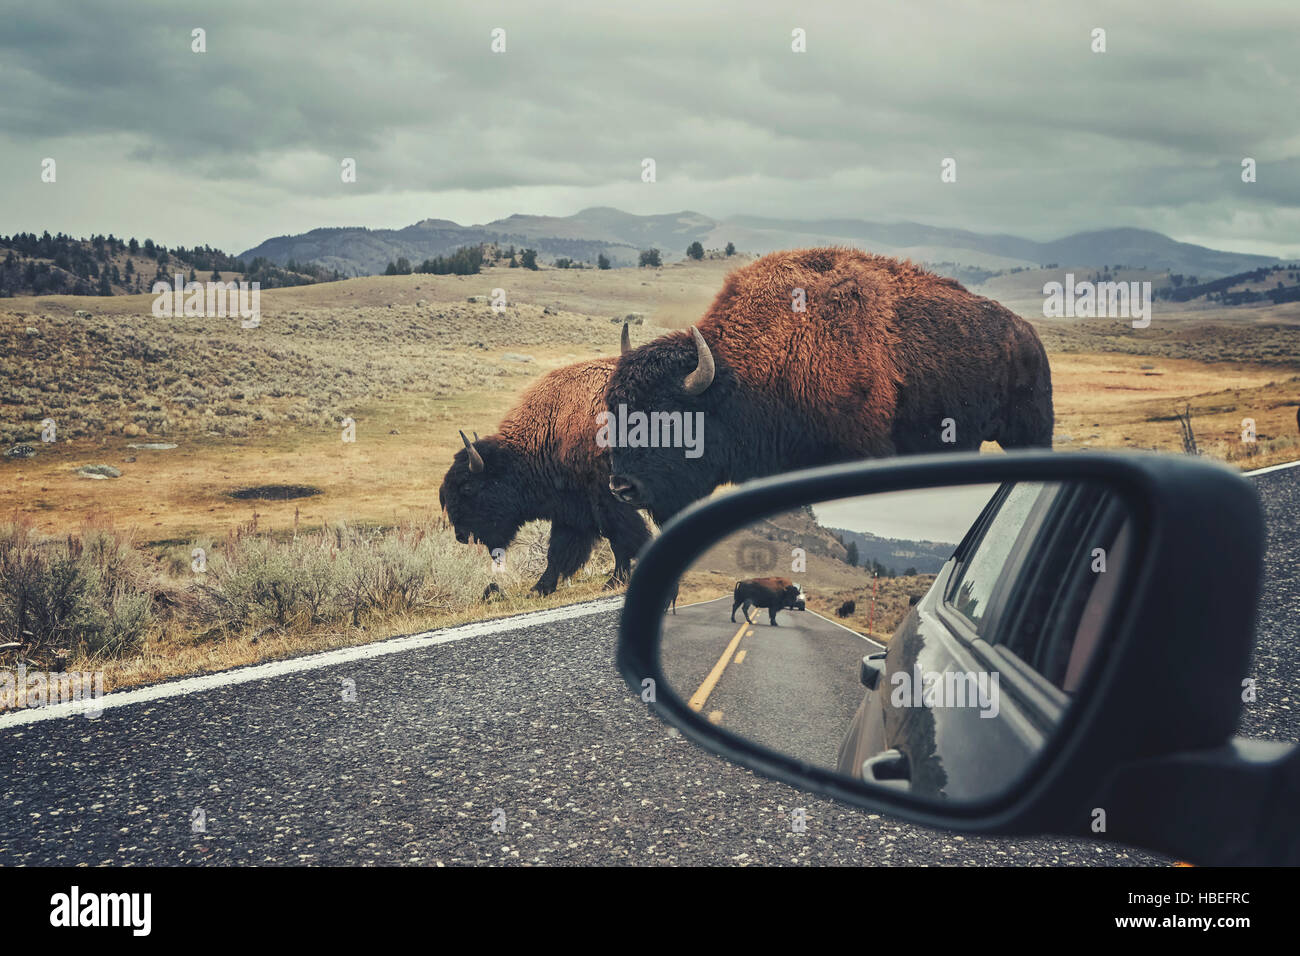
884 353
544 463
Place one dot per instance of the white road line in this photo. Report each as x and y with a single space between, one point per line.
849 629
698 603
1265 471
21 716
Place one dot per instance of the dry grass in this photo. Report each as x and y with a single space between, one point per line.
94 602
1124 401
410 360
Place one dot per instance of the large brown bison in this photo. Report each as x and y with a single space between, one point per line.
544 463
775 594
886 358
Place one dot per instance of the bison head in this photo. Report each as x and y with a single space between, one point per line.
792 598
482 493
666 380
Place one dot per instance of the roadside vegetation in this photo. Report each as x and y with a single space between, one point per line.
96 600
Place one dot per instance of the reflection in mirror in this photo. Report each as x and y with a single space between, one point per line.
927 641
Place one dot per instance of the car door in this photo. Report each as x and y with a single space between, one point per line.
961 704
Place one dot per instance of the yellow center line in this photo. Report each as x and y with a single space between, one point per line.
740 655
696 703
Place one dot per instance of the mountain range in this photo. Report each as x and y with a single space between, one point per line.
927 557
621 236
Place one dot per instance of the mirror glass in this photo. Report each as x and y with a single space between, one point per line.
928 641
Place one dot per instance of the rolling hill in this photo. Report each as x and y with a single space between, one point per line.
621 235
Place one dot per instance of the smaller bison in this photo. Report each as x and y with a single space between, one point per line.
847 609
544 464
775 594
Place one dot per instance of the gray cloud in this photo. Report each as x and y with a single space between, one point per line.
244 141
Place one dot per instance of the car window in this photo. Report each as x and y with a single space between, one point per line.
1063 596
971 592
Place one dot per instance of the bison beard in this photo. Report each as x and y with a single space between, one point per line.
775 594
883 354
544 464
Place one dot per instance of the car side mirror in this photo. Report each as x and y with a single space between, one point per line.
991 643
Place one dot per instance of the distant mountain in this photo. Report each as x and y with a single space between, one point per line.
967 255
358 251
896 554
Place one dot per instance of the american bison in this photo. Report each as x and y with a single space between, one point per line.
775 594
885 358
544 463
846 609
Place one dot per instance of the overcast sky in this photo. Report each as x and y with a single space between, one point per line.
930 514
244 142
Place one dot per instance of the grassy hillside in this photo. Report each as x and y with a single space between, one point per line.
108 266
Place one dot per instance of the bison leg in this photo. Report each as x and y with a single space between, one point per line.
624 527
739 602
568 551
745 610
771 615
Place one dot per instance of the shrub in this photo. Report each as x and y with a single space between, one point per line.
89 592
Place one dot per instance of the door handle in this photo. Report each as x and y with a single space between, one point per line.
873 667
889 768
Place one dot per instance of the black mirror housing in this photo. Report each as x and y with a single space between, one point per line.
1169 683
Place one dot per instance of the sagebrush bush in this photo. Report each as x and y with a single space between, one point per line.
95 595
345 573
89 593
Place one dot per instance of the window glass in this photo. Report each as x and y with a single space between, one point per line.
978 577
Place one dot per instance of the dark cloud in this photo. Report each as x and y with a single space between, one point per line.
245 140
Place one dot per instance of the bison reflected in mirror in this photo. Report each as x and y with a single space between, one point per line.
774 594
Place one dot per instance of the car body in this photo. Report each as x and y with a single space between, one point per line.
1004 662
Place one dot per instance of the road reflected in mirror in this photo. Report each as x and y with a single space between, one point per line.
926 641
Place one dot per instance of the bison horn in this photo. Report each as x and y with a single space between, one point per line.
625 343
702 377
475 459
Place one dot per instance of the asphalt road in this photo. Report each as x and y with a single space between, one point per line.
794 687
497 743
